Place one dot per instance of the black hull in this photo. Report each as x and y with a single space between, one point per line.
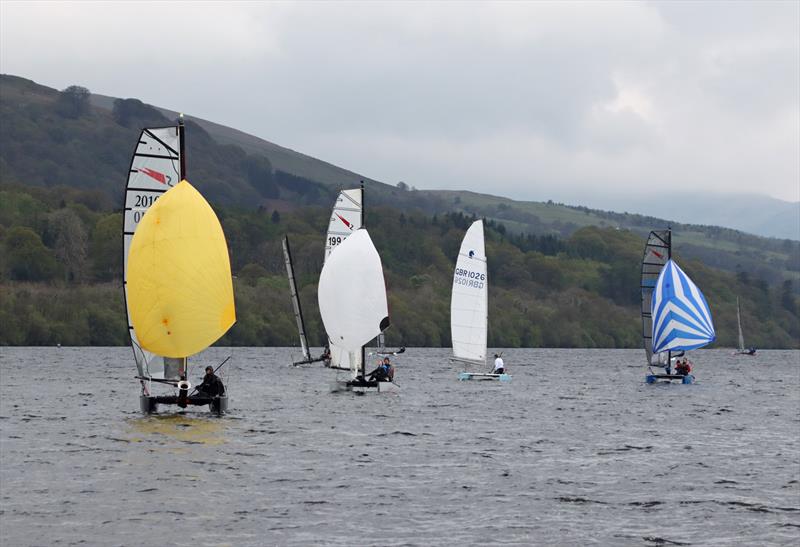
149 404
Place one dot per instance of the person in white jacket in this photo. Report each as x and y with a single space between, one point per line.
499 366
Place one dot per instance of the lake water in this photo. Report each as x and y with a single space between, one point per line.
576 450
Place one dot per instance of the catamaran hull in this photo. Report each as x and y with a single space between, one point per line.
149 404
669 378
483 376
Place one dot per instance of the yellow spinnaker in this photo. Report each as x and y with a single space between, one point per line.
180 292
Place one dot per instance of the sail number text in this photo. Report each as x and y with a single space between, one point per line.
469 278
334 240
142 202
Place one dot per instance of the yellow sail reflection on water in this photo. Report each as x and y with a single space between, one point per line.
180 291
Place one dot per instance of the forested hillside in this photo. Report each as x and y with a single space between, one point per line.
60 278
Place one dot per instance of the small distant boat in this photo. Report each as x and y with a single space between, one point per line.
742 350
675 314
469 308
353 306
177 277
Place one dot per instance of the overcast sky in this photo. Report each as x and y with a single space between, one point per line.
563 101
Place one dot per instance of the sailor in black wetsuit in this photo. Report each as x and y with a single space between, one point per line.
212 385
383 373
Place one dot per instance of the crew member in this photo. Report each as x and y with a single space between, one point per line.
683 367
383 373
499 366
212 385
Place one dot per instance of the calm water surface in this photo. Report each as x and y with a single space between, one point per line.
577 450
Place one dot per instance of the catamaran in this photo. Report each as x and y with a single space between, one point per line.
742 350
177 277
353 306
675 314
469 308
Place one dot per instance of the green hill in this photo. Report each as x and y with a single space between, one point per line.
561 276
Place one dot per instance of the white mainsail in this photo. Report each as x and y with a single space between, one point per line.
346 219
469 303
155 168
352 296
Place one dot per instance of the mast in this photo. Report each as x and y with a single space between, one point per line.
669 257
183 147
363 225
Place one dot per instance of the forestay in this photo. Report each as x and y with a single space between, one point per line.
681 317
346 219
180 290
155 168
656 253
352 295
469 300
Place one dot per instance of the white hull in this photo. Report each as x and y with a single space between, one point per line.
484 376
381 387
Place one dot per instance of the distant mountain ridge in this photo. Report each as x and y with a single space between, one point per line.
752 213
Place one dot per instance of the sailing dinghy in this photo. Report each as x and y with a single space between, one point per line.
742 350
177 276
675 314
469 308
353 306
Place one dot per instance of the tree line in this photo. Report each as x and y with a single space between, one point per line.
61 278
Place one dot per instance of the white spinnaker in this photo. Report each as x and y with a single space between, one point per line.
352 296
469 303
346 218
155 168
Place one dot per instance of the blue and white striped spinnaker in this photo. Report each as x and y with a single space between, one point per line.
681 318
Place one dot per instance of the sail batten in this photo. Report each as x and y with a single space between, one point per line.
469 298
681 319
